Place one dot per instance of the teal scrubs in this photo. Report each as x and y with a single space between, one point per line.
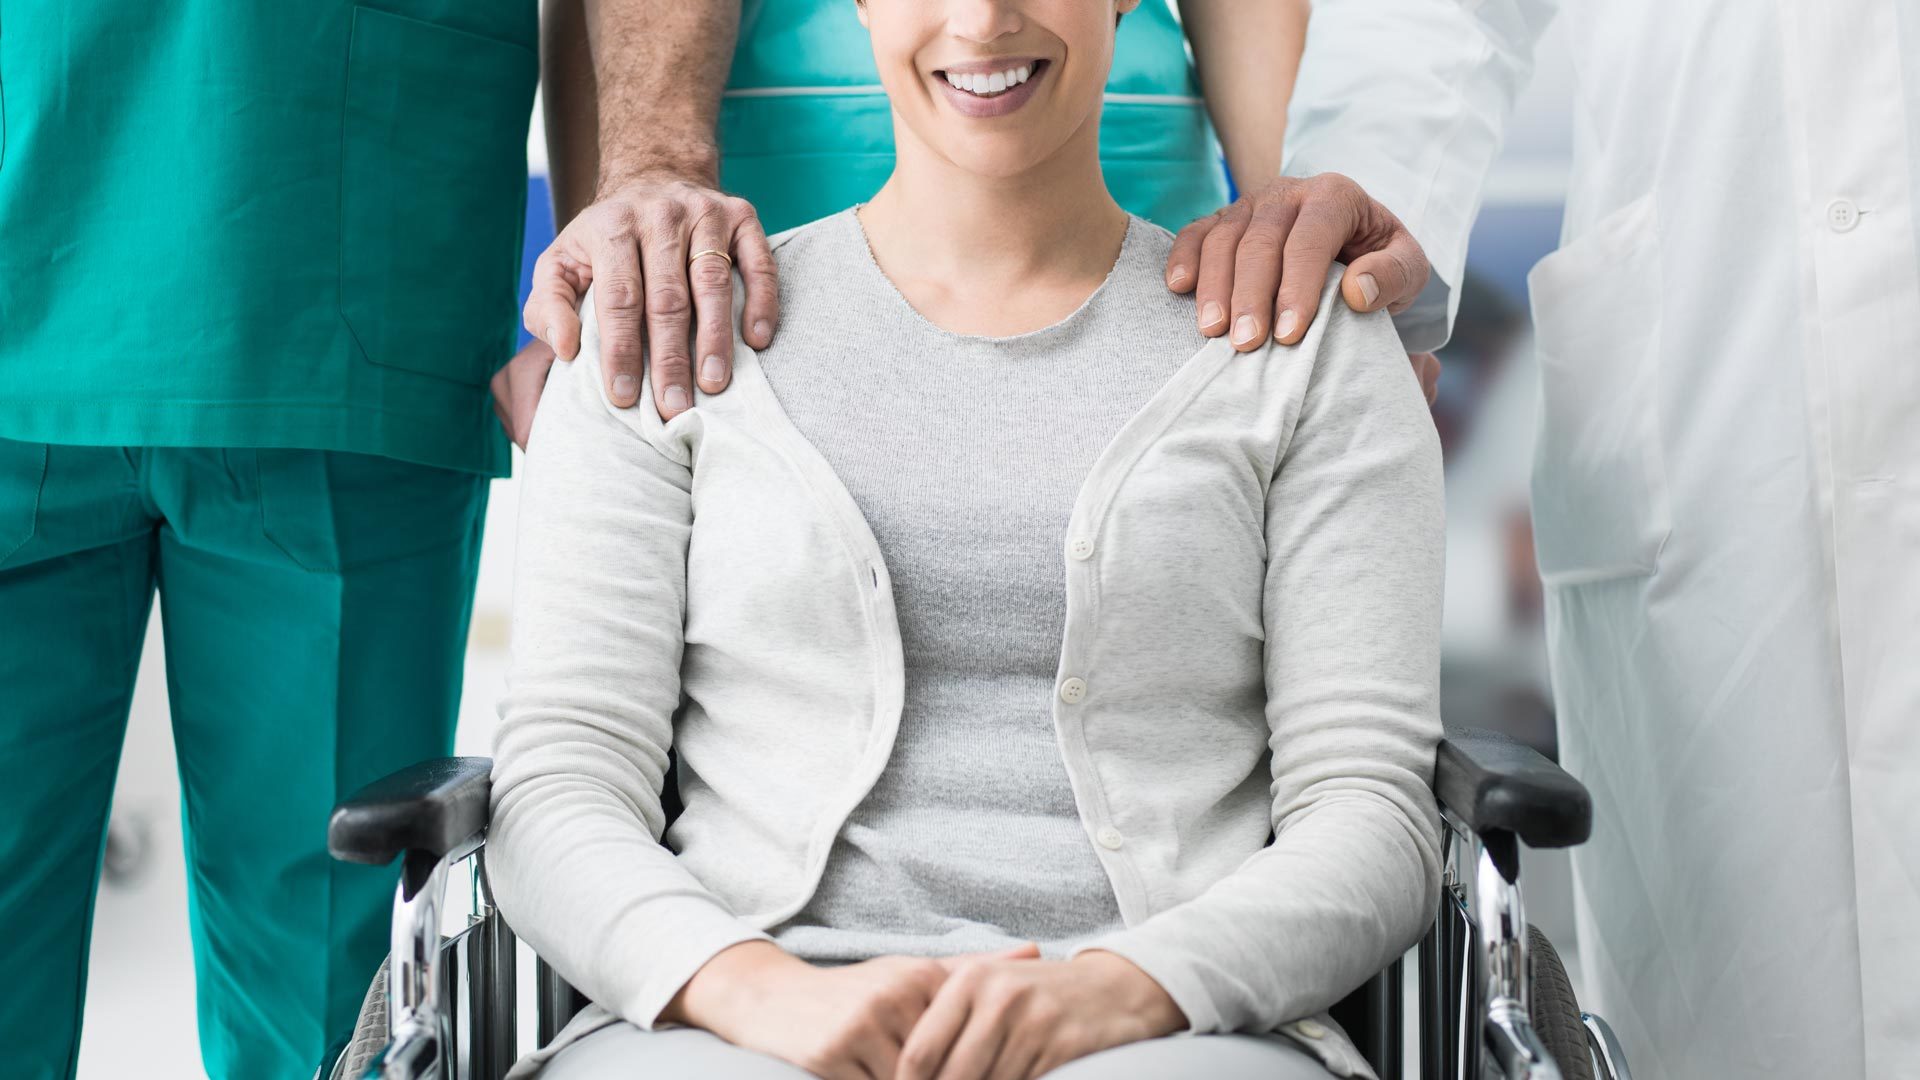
805 129
258 260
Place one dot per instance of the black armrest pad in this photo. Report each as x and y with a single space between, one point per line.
1494 782
429 807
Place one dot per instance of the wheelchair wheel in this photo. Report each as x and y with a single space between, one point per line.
369 1032
1555 1011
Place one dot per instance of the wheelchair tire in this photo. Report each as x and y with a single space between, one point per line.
369 1031
1554 1009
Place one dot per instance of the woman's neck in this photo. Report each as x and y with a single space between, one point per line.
986 256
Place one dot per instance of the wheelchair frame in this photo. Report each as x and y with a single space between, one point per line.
452 1011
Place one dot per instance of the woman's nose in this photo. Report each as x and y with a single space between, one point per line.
983 21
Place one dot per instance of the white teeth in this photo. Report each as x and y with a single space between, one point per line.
988 85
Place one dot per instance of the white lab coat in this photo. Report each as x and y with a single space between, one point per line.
1726 487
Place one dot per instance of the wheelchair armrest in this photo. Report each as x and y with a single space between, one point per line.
1495 783
430 807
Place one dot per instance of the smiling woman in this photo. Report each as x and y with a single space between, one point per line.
1082 697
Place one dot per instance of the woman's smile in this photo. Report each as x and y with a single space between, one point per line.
985 88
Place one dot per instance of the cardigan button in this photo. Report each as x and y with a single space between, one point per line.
1311 1029
1072 690
1081 548
1110 838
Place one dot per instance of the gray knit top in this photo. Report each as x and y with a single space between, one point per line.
970 839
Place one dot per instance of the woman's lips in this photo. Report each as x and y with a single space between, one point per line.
1000 104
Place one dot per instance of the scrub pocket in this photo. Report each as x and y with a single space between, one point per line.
433 193
23 472
332 511
1600 506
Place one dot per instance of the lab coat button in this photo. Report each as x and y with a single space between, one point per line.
1110 838
1311 1029
1081 547
1842 215
1072 690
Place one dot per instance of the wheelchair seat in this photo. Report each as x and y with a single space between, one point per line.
1480 965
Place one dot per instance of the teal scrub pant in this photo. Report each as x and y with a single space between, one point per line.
315 606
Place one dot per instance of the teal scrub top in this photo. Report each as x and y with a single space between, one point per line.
262 223
805 129
269 224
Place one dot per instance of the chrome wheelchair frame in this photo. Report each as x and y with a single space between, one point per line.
450 1002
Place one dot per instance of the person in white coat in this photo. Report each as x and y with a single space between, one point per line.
1726 486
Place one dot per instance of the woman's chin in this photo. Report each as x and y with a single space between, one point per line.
996 157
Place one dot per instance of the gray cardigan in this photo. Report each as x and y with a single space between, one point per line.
1246 701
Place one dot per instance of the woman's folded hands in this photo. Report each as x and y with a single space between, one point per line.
986 1016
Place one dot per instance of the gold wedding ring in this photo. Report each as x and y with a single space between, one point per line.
698 255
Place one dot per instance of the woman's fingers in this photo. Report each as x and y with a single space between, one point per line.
978 1044
924 1054
1019 1052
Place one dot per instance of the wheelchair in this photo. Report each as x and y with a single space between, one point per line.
1493 998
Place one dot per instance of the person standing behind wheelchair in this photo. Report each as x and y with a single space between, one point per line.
1726 485
649 125
258 268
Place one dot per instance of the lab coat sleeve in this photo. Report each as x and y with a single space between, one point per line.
574 852
1410 99
1354 530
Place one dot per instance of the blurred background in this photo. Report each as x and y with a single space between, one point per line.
140 1008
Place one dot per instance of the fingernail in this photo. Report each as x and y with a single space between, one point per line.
551 337
625 389
1210 315
1369 288
761 330
676 398
712 370
1244 329
1288 321
1177 277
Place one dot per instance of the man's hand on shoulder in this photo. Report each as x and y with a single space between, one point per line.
635 241
1257 267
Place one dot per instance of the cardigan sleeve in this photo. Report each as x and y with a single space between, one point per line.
1354 529
573 852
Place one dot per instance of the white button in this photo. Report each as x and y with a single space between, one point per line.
1311 1029
1110 837
1081 547
1072 690
1842 215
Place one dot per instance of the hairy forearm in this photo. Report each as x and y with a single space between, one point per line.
567 88
1247 53
659 67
